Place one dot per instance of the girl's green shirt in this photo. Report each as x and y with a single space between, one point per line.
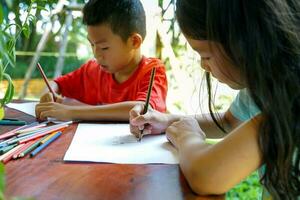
243 108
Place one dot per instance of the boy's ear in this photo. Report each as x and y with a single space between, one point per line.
135 40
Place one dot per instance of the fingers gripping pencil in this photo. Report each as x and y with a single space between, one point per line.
148 98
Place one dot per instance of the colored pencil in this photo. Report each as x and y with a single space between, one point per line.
8 155
12 132
32 147
148 98
44 145
12 122
31 128
7 148
40 135
46 80
48 137
15 131
25 137
25 146
44 129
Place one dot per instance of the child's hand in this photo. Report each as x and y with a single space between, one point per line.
48 97
185 127
153 122
53 110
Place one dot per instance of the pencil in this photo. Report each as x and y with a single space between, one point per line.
46 80
12 123
21 149
8 155
13 132
148 98
44 145
32 147
41 134
7 148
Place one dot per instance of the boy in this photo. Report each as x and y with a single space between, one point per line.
107 87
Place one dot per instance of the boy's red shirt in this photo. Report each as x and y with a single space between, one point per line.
92 85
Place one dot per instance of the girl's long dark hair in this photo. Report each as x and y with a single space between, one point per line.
262 39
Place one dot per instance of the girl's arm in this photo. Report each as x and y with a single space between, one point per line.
214 169
226 120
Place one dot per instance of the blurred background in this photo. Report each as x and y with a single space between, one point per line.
53 34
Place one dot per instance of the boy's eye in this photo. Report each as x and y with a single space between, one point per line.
105 48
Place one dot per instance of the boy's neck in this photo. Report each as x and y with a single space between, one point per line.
123 75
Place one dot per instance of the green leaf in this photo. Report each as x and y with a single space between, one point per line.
2 181
42 8
1 70
10 51
1 14
32 19
26 30
9 91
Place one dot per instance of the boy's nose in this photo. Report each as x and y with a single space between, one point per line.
97 54
99 58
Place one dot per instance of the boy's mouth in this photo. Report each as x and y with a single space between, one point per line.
104 67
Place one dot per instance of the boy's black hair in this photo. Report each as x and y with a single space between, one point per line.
124 17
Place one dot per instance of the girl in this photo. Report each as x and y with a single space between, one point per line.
253 47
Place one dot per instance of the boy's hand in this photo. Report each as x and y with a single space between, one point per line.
53 110
153 122
48 97
182 129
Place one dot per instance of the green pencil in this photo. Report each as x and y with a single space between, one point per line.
7 148
33 146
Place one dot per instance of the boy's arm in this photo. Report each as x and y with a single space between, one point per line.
111 112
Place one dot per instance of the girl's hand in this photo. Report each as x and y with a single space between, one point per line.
153 122
54 110
185 127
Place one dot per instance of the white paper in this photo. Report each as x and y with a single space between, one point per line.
114 143
28 108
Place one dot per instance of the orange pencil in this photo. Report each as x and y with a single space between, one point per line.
46 80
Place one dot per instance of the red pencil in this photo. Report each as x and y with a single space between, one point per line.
46 80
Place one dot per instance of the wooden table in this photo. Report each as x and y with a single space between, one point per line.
47 176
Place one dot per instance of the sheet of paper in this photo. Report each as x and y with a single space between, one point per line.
114 143
28 108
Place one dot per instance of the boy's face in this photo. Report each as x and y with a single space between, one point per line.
110 51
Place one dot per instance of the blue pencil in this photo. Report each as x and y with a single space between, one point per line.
44 145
